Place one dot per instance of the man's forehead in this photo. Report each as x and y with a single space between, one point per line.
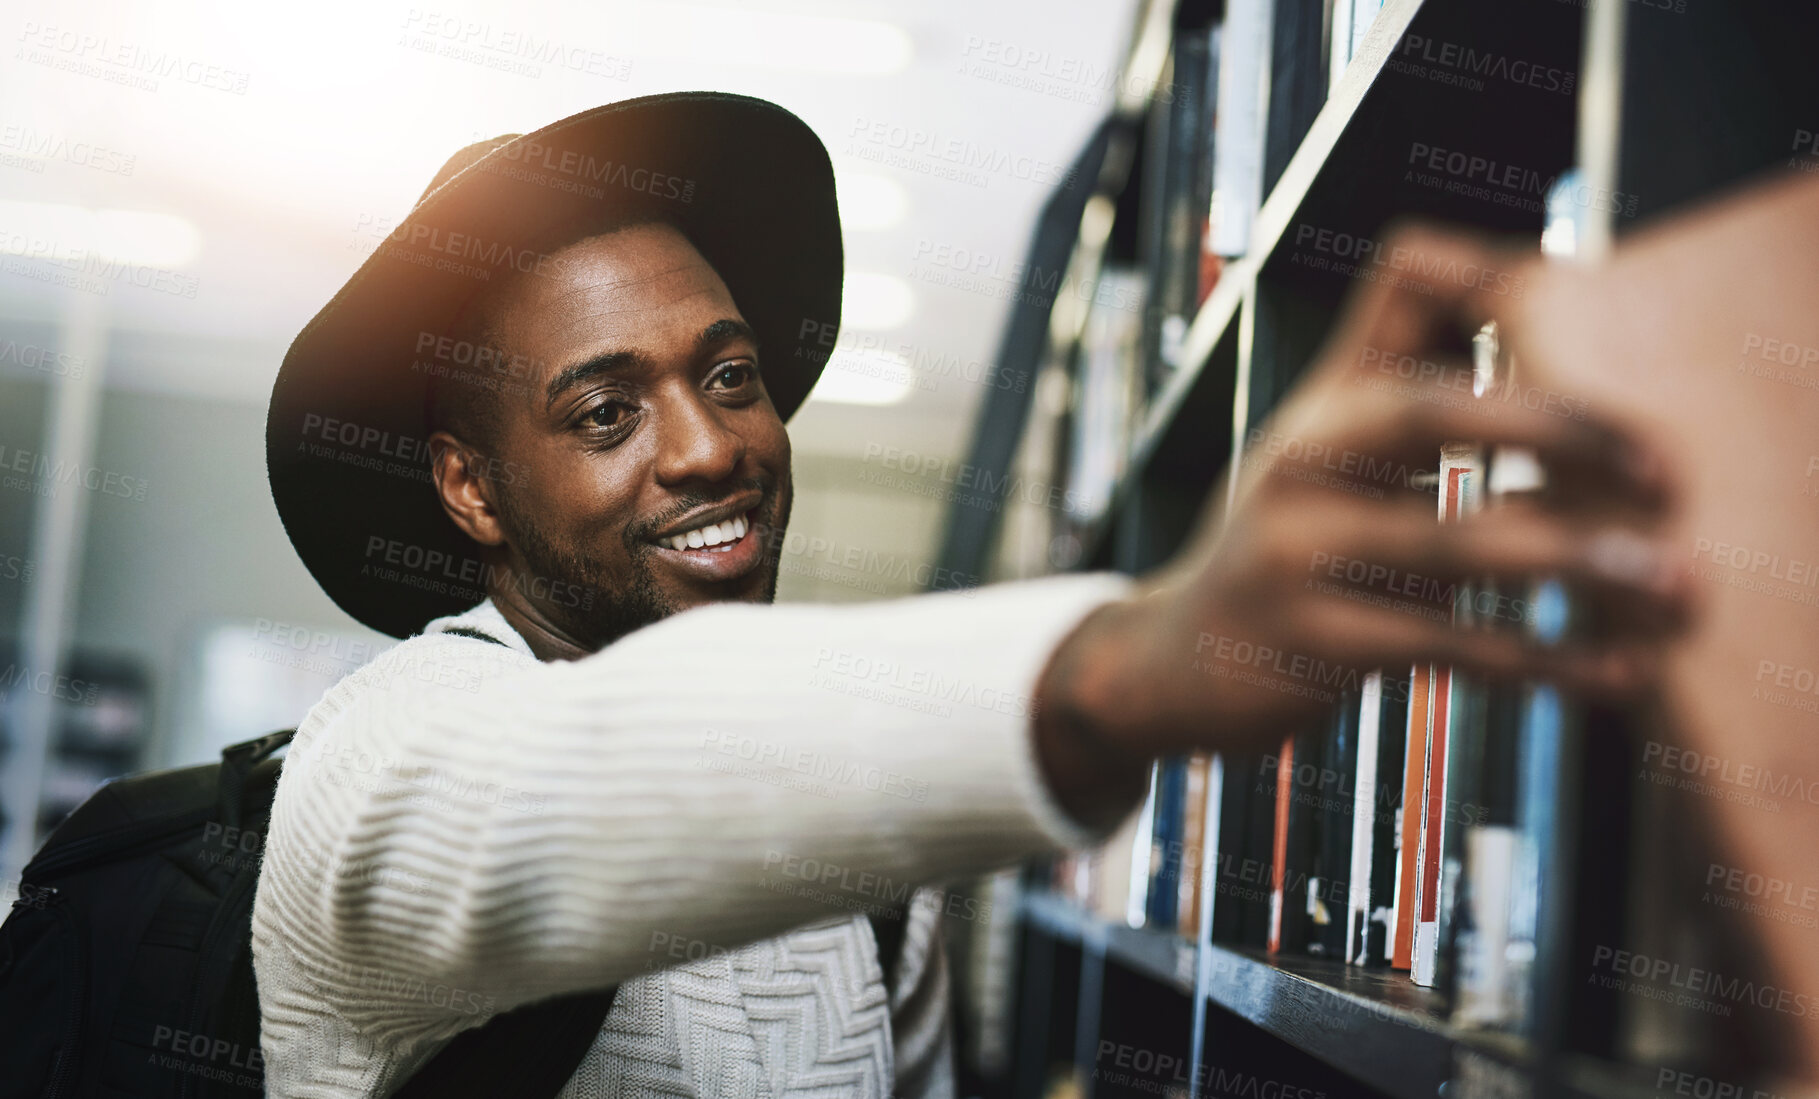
642 284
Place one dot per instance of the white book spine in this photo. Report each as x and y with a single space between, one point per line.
1364 817
1244 50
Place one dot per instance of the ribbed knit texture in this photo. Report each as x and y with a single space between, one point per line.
695 813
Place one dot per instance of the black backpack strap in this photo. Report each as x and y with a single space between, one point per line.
477 635
238 761
889 928
529 1052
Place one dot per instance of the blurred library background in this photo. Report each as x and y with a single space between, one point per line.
1089 247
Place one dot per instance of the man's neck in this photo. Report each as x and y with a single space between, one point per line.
547 640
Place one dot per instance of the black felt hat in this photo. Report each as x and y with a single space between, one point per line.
346 436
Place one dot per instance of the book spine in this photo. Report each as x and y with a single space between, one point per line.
1194 844
1167 842
1244 51
1364 818
1408 858
1279 848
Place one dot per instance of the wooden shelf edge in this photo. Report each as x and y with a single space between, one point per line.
1162 956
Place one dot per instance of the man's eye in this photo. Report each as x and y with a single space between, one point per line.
611 414
734 376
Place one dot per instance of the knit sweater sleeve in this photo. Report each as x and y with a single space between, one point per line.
459 822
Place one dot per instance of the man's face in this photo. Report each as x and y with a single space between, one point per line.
652 472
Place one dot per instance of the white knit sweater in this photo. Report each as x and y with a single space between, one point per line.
695 814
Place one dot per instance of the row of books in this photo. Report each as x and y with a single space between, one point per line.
1409 831
1200 186
1404 832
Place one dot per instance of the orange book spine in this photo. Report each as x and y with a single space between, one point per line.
1414 763
1285 795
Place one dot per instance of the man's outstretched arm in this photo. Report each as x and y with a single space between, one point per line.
735 771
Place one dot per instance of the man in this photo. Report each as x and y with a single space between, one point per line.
597 332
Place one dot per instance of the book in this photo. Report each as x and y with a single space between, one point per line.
1241 842
1167 845
1408 828
1329 799
1244 51
1279 844
1461 471
1196 813
1348 21
1177 179
1376 795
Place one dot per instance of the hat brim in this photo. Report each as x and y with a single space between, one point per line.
747 181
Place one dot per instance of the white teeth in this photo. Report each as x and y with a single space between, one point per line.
721 535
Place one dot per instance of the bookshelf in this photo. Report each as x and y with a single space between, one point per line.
1665 105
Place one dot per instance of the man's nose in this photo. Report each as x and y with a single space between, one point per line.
698 442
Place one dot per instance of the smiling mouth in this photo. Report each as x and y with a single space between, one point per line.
719 537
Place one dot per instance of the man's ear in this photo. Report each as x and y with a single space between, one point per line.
466 490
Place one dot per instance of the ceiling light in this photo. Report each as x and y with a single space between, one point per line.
56 231
872 301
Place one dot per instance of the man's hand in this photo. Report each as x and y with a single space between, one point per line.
1332 561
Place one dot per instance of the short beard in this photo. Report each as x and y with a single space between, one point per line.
609 610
